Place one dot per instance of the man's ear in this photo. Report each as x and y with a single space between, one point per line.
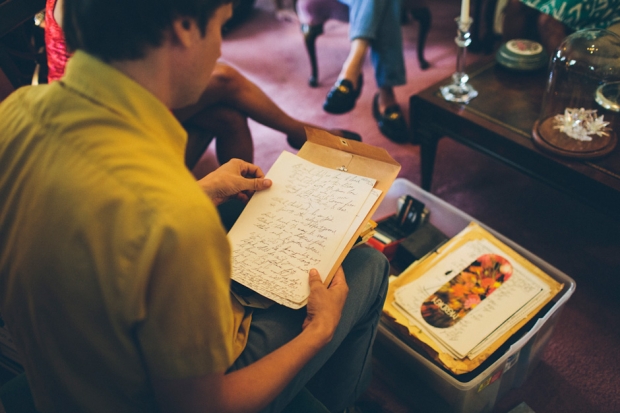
182 31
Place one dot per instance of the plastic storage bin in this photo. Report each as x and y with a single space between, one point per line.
510 369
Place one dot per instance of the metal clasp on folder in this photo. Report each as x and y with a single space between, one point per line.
345 168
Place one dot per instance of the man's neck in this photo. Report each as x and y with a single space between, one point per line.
153 72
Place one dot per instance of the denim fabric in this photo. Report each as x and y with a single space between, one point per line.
379 22
340 372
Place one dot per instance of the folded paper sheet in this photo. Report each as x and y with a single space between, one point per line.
297 224
461 303
328 193
479 313
303 221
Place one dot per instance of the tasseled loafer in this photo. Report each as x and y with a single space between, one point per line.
391 123
342 97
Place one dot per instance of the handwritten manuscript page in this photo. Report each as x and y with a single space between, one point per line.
300 223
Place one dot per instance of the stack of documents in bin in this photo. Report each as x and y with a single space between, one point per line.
470 296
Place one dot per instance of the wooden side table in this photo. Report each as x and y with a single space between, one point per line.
499 123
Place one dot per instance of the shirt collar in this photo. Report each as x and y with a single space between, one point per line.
114 90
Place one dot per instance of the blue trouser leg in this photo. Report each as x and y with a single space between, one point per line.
342 368
378 21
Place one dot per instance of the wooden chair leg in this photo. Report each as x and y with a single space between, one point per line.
423 16
311 32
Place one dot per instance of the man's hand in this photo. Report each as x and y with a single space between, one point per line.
234 179
264 379
325 303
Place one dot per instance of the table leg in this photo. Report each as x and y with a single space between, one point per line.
428 150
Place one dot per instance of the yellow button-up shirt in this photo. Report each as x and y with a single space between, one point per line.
113 263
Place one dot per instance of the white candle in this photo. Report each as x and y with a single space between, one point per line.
464 10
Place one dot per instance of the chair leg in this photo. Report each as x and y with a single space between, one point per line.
423 16
311 32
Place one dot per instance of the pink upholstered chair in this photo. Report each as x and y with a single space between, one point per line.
314 13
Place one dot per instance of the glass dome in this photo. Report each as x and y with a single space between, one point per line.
580 113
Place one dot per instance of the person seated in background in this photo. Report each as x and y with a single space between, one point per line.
115 267
374 25
222 111
285 10
550 21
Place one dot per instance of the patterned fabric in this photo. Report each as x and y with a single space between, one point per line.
580 14
55 47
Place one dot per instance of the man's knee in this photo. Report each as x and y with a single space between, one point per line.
374 257
226 80
371 265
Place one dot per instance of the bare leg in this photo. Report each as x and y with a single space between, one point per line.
229 87
234 139
197 142
248 98
387 98
352 67
342 97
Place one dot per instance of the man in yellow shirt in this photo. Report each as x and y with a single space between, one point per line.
114 265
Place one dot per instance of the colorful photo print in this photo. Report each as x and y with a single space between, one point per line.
456 298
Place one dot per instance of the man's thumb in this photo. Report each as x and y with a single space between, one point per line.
315 277
261 183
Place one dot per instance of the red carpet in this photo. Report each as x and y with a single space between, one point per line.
580 371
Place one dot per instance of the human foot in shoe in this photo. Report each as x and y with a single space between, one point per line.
347 134
391 122
295 143
343 96
343 133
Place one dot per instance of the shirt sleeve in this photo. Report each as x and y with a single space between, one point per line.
189 321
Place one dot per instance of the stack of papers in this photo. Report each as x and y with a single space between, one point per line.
368 230
463 301
470 298
304 220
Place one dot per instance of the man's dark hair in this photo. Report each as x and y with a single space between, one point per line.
123 29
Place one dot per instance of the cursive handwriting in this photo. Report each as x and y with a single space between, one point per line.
294 226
